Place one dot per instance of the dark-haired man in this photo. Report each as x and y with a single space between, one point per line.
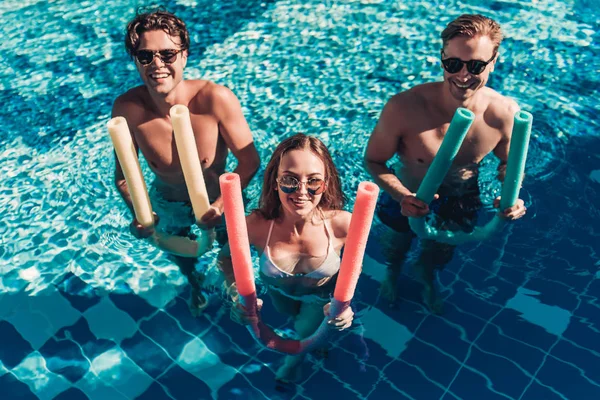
159 44
413 124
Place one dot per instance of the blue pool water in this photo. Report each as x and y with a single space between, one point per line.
87 312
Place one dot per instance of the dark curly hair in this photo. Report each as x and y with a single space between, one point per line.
333 197
157 20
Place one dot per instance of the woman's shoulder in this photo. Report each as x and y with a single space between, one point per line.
258 227
339 221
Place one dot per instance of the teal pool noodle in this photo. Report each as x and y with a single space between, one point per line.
459 126
519 143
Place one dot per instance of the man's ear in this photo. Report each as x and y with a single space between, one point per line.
184 54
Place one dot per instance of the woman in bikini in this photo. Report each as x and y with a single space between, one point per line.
299 231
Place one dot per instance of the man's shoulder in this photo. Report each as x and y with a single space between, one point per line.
501 109
415 97
210 92
133 99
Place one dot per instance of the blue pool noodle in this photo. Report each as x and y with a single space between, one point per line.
515 167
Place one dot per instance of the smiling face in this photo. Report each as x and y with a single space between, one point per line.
159 76
302 165
463 85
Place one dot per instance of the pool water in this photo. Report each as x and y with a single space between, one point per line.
86 311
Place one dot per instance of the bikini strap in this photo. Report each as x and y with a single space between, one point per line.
269 235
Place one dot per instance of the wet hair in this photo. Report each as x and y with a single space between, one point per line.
156 20
332 198
471 25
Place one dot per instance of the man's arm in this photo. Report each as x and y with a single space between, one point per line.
236 133
382 146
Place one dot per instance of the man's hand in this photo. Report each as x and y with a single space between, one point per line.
514 212
139 232
413 207
211 218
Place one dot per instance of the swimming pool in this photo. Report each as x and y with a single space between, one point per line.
87 312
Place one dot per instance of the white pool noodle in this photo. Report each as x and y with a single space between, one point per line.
190 161
127 156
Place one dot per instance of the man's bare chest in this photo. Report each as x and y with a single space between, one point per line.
156 141
422 147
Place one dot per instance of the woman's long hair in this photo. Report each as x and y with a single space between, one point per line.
333 197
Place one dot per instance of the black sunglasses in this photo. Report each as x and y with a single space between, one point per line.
168 56
289 184
475 67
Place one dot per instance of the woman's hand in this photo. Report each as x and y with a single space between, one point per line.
342 321
239 313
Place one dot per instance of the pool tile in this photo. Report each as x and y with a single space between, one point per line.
80 333
14 348
40 380
412 381
116 370
199 361
154 392
242 389
583 358
323 385
346 367
505 376
38 317
150 357
165 332
96 389
568 380
384 390
436 365
528 357
537 391
387 332
79 294
469 385
16 388
463 298
454 341
183 385
584 331
469 325
133 305
180 310
72 394
107 321
65 358
514 326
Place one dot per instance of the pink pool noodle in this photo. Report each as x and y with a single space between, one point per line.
237 232
354 250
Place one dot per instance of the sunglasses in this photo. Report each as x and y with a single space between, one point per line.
168 56
475 67
289 184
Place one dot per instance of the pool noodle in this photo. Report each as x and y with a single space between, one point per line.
237 233
190 161
515 167
127 156
356 242
459 126
519 145
128 159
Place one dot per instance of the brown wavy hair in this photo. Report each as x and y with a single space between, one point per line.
157 20
333 197
471 25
